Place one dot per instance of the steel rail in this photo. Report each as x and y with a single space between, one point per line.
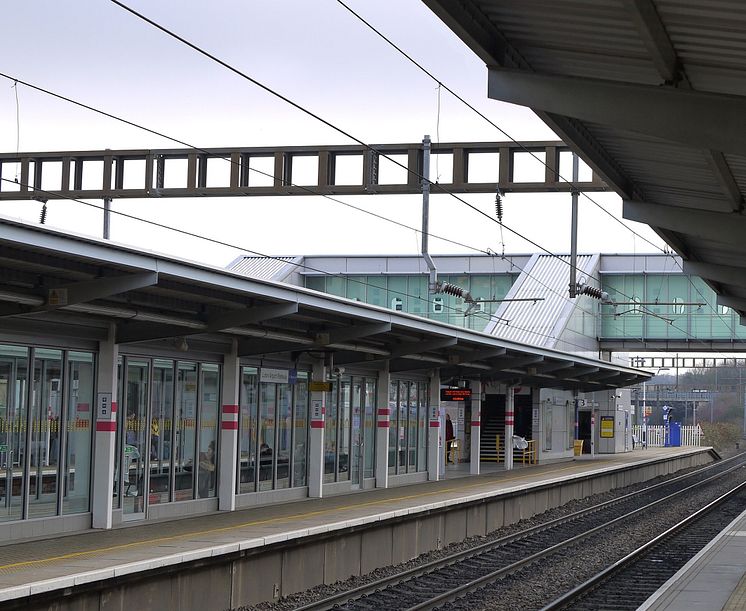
569 597
341 598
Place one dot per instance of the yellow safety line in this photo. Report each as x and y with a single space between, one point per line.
158 540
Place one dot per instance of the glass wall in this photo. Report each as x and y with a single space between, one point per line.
272 432
409 294
45 450
167 432
408 402
78 431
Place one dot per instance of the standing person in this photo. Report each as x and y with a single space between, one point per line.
206 476
449 438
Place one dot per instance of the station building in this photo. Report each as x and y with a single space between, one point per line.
136 386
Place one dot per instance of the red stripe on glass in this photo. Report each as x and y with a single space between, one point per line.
317 424
106 426
229 425
230 409
383 424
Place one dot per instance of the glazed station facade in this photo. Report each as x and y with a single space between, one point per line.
137 386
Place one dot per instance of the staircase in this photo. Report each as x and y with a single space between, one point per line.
489 431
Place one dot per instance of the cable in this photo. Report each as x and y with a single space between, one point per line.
227 159
160 134
497 127
69 100
482 115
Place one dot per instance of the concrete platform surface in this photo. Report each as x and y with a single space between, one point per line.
714 580
42 565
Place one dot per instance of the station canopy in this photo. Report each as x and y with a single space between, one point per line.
77 290
650 93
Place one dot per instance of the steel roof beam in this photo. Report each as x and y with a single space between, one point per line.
719 273
344 334
656 39
693 118
725 228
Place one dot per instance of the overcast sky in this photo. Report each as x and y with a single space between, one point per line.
313 52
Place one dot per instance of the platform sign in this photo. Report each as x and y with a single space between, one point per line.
607 426
316 410
318 386
274 376
455 394
3 447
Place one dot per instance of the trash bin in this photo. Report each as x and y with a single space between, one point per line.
578 447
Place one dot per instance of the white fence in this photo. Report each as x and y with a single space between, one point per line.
656 435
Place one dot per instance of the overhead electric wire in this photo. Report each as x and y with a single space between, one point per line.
355 139
502 131
229 160
480 315
314 115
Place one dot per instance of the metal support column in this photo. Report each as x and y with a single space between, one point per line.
383 421
574 230
227 470
435 464
106 429
433 278
107 217
509 426
476 426
316 441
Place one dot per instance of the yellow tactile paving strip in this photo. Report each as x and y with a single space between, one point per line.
23 562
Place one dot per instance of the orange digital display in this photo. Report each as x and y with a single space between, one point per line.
455 394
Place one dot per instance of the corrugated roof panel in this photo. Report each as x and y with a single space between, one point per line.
546 277
265 268
593 38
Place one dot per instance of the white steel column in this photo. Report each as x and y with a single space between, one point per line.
509 422
434 461
476 426
229 431
106 431
316 438
383 421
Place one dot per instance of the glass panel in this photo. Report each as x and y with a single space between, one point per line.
208 430
161 428
330 433
357 430
247 429
77 468
412 427
401 447
13 387
267 409
393 426
301 431
422 428
370 428
136 430
117 487
343 473
284 432
186 423
45 432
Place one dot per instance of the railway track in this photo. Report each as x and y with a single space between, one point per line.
631 581
452 578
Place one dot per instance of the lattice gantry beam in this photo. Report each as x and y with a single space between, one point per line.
466 167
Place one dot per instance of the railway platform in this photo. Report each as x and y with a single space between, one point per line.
714 580
225 560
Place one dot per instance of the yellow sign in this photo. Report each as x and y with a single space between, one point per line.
317 386
607 426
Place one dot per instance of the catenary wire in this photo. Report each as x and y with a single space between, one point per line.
229 160
487 317
502 131
348 135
